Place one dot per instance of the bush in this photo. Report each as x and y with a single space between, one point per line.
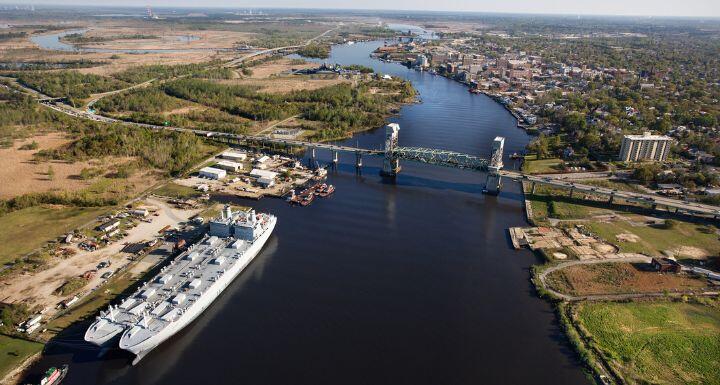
30 146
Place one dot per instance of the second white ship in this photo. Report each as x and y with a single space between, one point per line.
186 287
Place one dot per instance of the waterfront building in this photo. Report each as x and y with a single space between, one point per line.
645 147
212 173
229 165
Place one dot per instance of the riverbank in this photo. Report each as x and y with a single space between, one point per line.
572 236
530 129
363 258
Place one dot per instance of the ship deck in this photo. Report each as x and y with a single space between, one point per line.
173 290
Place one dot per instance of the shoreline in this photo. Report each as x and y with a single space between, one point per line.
529 129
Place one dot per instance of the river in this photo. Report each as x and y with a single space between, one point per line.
411 282
52 41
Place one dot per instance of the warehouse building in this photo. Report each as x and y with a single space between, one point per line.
229 165
212 173
265 178
234 156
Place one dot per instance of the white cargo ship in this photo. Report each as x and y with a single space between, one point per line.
186 287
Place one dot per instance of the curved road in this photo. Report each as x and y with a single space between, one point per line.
606 297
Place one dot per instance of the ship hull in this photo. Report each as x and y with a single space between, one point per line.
141 349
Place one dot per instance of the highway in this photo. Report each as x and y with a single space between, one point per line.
567 183
655 201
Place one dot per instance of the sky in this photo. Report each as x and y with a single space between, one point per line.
702 8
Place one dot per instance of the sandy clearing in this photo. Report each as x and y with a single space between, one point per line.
690 252
276 67
20 174
38 289
285 84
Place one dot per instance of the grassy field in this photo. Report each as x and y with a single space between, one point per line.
13 351
28 229
657 342
533 165
555 203
653 239
175 190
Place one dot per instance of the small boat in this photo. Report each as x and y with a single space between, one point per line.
325 190
515 155
307 199
54 375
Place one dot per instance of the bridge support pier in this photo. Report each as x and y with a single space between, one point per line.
493 182
572 190
532 189
313 157
335 158
612 198
358 162
391 163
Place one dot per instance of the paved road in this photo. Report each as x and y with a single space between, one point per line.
655 201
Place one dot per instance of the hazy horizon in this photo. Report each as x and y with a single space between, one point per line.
649 8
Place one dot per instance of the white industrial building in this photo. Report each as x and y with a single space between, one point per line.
266 182
234 156
229 165
212 173
257 173
262 159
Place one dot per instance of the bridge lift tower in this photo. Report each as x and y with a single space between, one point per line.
493 183
391 162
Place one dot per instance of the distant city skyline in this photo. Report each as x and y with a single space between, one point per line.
693 8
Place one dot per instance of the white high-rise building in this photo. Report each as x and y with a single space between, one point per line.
645 147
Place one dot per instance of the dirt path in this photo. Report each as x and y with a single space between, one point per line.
38 289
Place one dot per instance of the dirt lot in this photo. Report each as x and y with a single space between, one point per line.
21 175
614 278
38 289
285 84
276 67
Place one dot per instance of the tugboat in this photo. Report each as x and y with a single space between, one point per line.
54 375
307 199
325 190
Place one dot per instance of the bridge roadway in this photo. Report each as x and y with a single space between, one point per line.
212 134
432 156
655 201
438 157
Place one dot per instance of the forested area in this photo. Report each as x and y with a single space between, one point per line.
145 100
319 51
71 84
140 74
172 152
